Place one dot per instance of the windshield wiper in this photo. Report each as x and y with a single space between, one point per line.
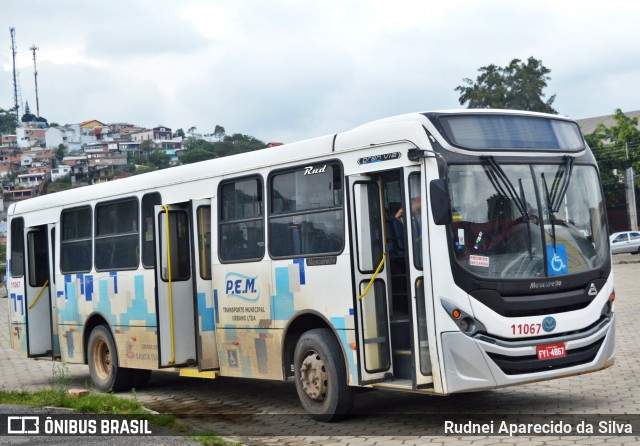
558 191
497 175
550 211
527 218
500 176
561 184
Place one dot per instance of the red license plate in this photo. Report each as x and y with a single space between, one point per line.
551 351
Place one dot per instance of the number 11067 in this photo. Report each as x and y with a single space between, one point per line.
525 329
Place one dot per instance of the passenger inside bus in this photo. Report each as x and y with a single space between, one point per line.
416 229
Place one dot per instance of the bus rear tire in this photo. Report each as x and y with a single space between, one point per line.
103 362
321 376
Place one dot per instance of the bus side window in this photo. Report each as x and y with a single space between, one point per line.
17 247
306 213
148 229
75 240
241 220
117 235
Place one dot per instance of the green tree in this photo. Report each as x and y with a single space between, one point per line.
63 183
197 155
616 148
178 133
28 116
200 150
8 121
159 159
147 146
219 132
518 86
60 152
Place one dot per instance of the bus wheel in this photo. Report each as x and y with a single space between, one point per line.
103 362
321 376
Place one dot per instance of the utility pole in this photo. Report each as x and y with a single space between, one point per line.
34 48
15 75
631 194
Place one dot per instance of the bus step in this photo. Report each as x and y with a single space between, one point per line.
192 372
402 364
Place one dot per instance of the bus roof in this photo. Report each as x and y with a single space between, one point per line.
234 164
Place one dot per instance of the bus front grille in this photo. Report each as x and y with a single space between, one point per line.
518 365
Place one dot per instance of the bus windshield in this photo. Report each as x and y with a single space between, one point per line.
522 221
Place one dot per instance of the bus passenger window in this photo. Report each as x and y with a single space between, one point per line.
203 215
241 224
306 213
75 242
117 235
148 228
17 247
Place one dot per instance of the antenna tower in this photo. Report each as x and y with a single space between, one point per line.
33 49
15 74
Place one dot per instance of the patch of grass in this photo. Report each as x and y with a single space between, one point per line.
92 403
101 403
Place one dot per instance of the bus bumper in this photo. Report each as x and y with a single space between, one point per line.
481 362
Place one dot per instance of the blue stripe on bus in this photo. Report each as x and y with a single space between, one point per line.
88 288
138 310
300 263
81 279
114 274
206 313
104 303
69 312
283 300
339 324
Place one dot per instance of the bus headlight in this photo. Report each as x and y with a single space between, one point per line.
465 322
607 309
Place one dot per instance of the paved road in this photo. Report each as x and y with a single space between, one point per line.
266 412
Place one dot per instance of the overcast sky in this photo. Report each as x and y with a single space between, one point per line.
283 70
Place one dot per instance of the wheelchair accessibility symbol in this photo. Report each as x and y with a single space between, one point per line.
557 260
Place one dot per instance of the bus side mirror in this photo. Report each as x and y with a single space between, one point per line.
439 201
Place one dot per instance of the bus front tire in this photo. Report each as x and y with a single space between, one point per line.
105 372
321 376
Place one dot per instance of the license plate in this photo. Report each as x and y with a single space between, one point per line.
551 351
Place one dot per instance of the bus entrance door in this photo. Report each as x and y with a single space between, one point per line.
205 311
367 233
38 297
418 267
174 284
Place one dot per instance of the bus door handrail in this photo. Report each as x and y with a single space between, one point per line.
39 294
169 280
375 274
384 242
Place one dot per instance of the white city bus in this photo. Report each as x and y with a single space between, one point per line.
295 262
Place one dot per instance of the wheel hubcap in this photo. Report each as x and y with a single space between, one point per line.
314 377
102 359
